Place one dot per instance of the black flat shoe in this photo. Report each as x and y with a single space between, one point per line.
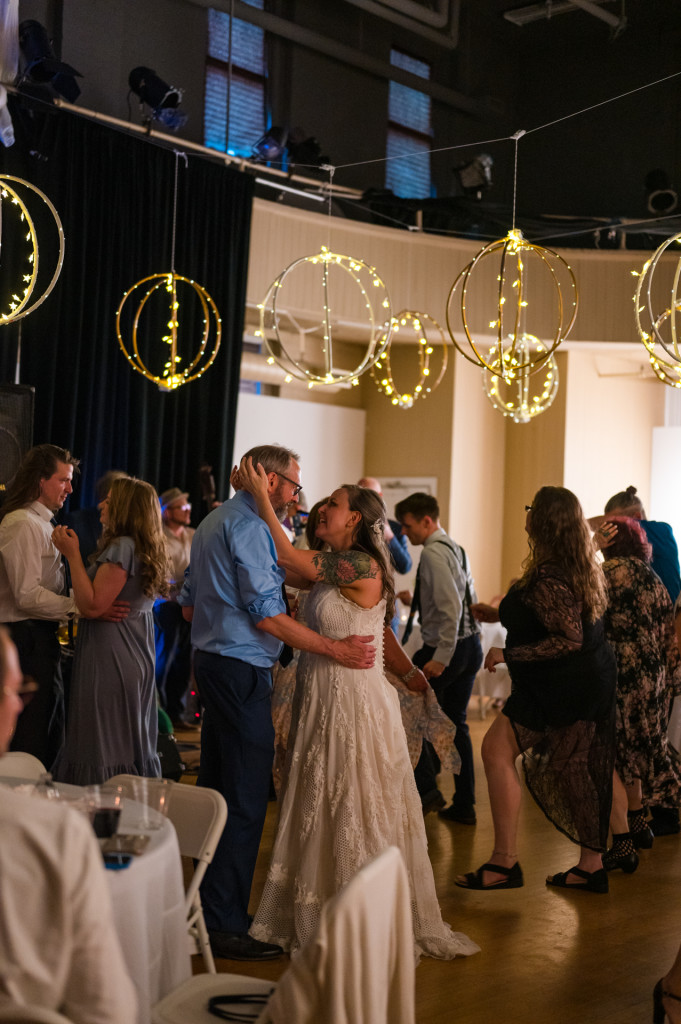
453 813
628 862
594 881
659 993
432 801
237 946
513 879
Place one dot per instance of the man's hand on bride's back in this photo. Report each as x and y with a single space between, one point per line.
355 651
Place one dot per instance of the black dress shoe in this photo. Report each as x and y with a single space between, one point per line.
432 801
238 946
464 816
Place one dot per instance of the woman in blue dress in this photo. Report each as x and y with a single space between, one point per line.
112 719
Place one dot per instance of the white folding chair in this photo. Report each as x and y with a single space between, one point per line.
12 1014
358 968
198 815
19 765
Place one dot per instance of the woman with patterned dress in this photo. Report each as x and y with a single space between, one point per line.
112 719
640 627
349 789
561 712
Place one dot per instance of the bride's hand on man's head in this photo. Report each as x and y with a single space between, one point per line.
252 478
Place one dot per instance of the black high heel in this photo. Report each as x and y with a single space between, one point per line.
628 862
641 833
659 993
621 854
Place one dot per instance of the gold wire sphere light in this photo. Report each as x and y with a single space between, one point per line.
20 304
381 371
515 255
659 327
346 284
172 375
517 391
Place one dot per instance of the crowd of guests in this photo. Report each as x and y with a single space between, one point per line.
591 649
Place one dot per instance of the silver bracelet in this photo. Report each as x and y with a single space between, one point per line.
410 674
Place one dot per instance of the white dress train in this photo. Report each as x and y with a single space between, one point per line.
349 791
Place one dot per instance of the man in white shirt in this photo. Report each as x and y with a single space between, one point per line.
173 632
33 591
58 947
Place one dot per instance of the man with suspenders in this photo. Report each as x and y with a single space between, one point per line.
451 653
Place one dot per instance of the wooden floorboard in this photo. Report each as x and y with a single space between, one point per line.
546 956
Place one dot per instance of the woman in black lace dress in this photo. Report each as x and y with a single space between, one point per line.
561 712
640 626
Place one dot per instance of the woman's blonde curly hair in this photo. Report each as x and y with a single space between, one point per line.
134 511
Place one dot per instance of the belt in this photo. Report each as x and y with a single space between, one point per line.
45 624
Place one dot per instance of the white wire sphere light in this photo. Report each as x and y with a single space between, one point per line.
657 303
345 289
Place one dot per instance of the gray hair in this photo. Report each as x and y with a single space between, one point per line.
272 457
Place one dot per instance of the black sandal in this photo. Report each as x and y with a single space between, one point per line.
659 993
594 881
513 880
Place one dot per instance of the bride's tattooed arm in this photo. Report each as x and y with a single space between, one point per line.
342 568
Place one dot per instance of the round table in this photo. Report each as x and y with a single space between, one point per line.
148 907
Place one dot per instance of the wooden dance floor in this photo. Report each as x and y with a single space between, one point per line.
547 956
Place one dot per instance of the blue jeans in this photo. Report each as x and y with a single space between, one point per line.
237 750
453 690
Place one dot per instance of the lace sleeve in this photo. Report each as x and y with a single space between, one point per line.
559 612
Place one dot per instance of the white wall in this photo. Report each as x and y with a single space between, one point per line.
610 416
328 438
665 483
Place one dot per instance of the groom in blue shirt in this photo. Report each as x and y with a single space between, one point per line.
233 596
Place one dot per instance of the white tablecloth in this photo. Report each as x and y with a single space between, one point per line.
149 915
148 909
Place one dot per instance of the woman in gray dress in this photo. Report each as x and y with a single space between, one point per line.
112 718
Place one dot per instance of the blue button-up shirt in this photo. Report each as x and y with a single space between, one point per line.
233 582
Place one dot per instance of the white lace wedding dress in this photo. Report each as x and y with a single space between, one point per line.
349 791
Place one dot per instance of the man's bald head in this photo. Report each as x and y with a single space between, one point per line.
371 482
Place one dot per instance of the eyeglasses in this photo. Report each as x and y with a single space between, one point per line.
297 488
26 691
528 508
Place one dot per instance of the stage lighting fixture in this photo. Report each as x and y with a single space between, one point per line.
661 197
163 99
41 66
304 150
476 175
271 146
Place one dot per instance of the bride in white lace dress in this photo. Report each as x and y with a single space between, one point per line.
349 788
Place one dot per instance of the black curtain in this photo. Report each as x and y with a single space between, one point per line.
114 194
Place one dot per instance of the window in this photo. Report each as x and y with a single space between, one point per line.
246 99
409 132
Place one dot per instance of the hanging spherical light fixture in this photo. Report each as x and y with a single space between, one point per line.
173 373
347 287
421 324
507 279
514 389
11 202
657 316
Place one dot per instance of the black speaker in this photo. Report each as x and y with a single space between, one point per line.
16 428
